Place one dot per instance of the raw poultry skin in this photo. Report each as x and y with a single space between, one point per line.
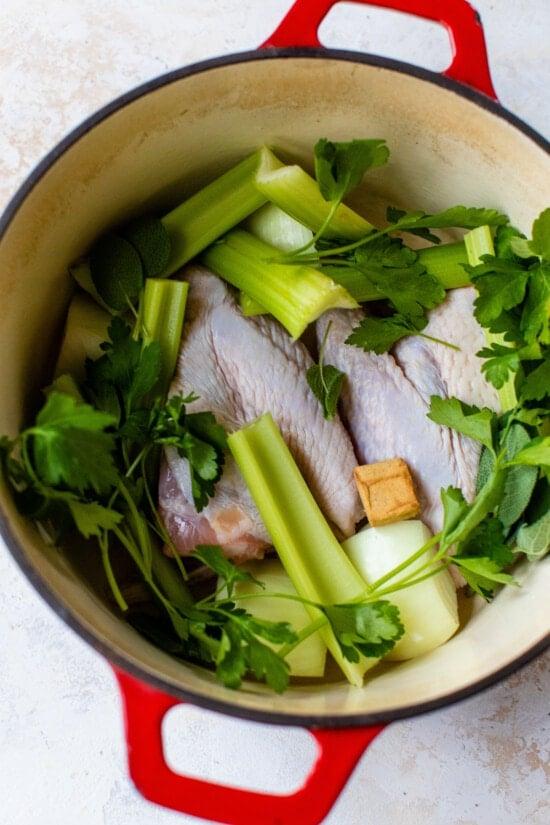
240 368
386 398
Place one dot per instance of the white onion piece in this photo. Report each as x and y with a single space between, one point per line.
428 609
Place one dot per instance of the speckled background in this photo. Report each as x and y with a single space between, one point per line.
62 759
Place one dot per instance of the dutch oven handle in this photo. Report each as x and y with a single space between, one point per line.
469 65
144 709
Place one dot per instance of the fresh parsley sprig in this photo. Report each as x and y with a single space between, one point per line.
326 381
339 169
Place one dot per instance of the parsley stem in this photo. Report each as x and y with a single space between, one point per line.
138 459
162 531
302 635
320 232
437 341
413 578
119 598
404 564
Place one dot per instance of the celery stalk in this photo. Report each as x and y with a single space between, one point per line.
295 295
445 262
163 309
250 307
307 547
479 242
297 193
273 226
216 208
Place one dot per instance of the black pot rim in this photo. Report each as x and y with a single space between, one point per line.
110 652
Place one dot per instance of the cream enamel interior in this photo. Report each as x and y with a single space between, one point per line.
150 153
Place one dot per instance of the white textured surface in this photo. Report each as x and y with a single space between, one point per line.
62 760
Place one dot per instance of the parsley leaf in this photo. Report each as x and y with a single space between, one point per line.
467 419
505 237
457 216
91 518
500 363
535 318
386 252
500 284
70 445
482 574
266 665
120 379
241 650
371 628
540 243
212 556
537 384
231 662
380 334
411 290
455 508
198 438
339 167
325 381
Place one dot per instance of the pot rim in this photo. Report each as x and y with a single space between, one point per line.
110 652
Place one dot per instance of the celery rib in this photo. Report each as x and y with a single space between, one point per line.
273 226
295 295
297 193
216 208
479 242
163 311
307 547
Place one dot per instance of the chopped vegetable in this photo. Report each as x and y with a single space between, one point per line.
274 227
307 547
86 465
249 306
212 211
162 319
308 658
387 491
85 330
296 296
428 609
297 193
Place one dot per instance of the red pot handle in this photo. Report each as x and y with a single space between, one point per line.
469 64
144 710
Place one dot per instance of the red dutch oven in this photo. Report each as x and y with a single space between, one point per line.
451 143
